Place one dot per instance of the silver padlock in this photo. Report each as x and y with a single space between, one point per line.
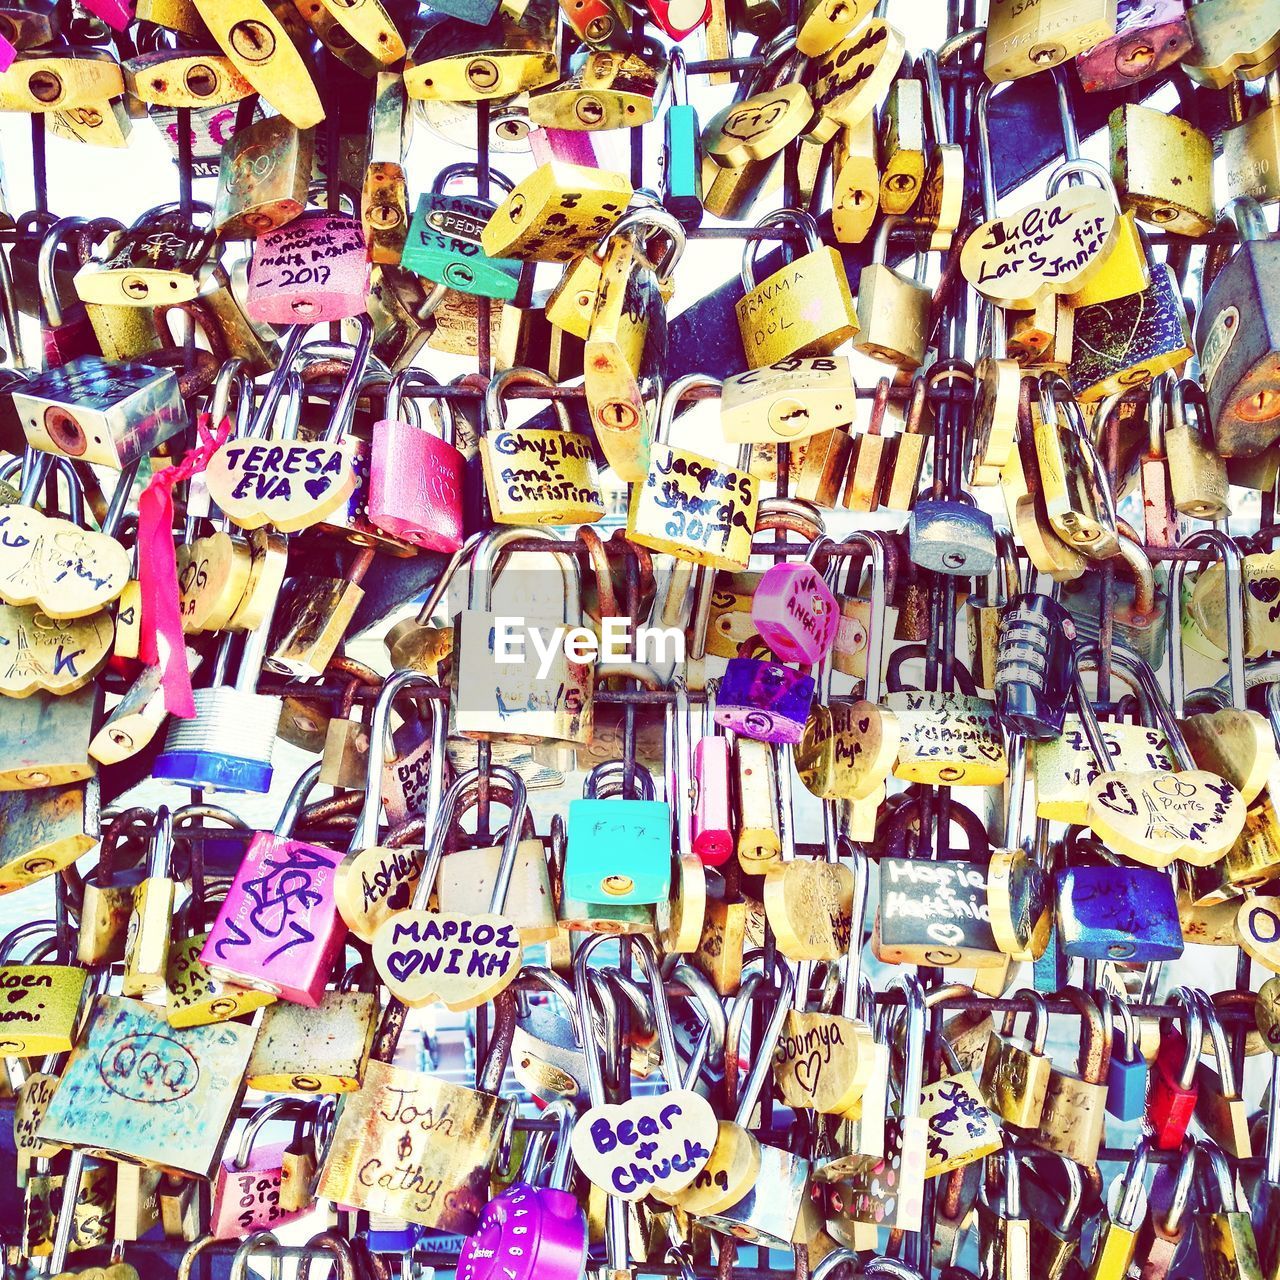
949 535
101 412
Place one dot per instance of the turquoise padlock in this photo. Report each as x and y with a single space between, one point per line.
617 850
443 243
681 158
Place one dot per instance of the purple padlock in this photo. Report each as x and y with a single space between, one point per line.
529 1232
794 611
311 270
117 14
764 700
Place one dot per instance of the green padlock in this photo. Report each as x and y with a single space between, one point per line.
618 850
443 244
682 154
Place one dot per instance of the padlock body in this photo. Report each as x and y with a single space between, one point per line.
314 1051
278 929
98 412
247 1200
1150 35
42 1002
804 308
443 245
313 269
415 487
1126 1085
618 851
1118 913
682 164
764 700
262 178
1170 1107
527 1233
226 746
711 822
795 613
952 537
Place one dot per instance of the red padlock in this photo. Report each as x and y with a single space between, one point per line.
415 478
1172 1092
679 17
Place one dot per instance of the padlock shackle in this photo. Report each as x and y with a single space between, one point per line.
268 1111
1192 1034
495 415
798 218
1221 1047
1132 1202
582 972
710 1042
1234 594
307 781
1213 1171
50 243
762 1066
365 835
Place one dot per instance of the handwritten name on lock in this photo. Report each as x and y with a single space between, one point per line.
38 1006
290 484
545 465
705 505
952 730
65 570
279 907
374 883
317 252
181 1086
414 1146
457 959
659 1142
940 903
1048 247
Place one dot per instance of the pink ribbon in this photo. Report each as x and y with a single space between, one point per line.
161 641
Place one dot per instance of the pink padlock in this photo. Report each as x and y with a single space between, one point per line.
7 54
117 14
313 269
573 145
794 610
278 928
246 1188
415 478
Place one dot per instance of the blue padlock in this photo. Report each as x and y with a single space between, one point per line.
1118 913
618 850
1127 1074
681 158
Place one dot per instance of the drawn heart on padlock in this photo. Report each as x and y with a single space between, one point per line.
866 753
1052 246
289 484
1235 744
654 1143
460 961
822 1061
1261 604
1115 354
1155 816
372 884
66 571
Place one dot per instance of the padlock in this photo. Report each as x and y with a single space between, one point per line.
229 743
1197 473
1162 167
146 948
608 89
100 412
531 1230
1015 1077
278 930
247 1186
793 608
769 112
772 323
855 181
30 25
893 312
266 42
764 700
409 945
951 537
184 78
313 268
1127 1072
557 213
161 258
1235 335
461 61
40 81
1251 148
903 122
415 478
364 36
1035 666
852 79
690 505
65 332
788 401
317 1050
1172 1092
1072 1119
1223 1230
1220 1108
626 336
443 243
1021 42
496 691
1148 38
711 834
681 157
1116 1243
42 1008
1139 605
558 485
263 176
384 197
